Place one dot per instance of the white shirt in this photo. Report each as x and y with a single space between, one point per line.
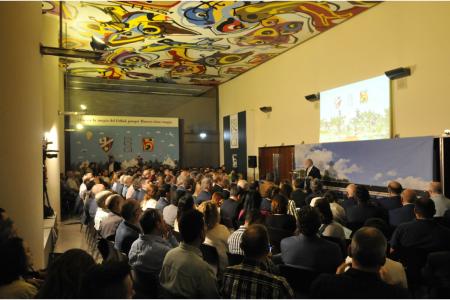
395 272
100 215
130 192
441 203
150 203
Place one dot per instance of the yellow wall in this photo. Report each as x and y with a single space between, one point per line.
52 96
21 121
390 35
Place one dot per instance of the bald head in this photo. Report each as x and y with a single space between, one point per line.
351 189
409 196
308 163
435 187
395 188
368 249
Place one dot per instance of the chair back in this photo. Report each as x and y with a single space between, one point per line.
234 259
275 237
145 284
210 255
109 252
340 242
299 278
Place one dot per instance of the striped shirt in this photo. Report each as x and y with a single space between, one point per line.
234 241
249 280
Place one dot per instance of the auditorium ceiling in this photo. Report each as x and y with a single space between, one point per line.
189 42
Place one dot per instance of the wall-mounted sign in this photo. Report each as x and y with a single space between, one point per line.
234 131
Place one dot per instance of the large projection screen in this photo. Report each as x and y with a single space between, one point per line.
357 111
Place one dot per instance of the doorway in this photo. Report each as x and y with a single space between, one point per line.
278 160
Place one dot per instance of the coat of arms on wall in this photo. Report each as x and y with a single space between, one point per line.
147 144
106 143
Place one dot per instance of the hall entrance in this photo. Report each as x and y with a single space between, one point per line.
278 160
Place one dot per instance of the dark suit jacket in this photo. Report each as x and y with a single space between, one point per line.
315 173
216 189
126 234
349 202
311 252
229 212
355 284
203 196
389 202
358 214
401 215
299 198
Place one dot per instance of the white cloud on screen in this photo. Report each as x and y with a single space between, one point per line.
392 173
378 176
412 182
323 159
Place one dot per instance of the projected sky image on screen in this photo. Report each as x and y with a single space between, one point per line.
358 111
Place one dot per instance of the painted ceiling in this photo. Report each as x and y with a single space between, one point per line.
189 42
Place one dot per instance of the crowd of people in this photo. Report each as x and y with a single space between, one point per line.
203 233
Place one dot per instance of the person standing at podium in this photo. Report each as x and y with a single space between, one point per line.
311 170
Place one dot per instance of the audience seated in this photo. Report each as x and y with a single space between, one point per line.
184 273
108 225
217 183
170 211
65 275
350 200
336 209
129 229
14 263
441 203
329 227
164 197
437 274
251 202
249 279
394 200
405 213
234 240
364 278
286 190
308 249
109 280
149 200
279 218
205 194
147 253
185 203
393 270
7 227
216 234
229 211
266 185
423 233
298 196
316 190
358 214
102 212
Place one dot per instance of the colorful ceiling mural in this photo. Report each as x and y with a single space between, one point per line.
189 42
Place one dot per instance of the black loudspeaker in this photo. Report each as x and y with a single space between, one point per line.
398 73
313 97
252 162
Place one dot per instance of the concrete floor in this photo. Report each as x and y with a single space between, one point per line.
70 236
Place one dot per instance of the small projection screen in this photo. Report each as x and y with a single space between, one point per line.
357 111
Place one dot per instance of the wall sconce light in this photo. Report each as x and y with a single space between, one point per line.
203 135
74 113
78 127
